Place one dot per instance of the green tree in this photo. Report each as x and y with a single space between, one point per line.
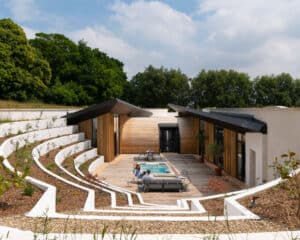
156 87
61 53
221 89
274 90
83 74
24 75
296 95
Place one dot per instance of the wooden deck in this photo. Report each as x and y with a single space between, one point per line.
119 173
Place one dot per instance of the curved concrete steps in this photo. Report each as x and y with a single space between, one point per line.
156 212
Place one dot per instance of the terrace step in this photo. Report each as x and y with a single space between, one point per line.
90 201
20 127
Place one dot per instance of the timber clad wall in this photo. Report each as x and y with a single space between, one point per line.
209 133
188 131
87 128
230 165
138 135
230 161
105 136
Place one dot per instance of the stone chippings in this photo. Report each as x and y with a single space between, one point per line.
157 227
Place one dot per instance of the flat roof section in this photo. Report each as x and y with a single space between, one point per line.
236 121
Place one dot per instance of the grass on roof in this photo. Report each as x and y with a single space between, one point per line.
6 104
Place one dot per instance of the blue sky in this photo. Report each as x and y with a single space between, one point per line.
253 36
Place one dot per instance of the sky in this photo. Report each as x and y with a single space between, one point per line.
253 36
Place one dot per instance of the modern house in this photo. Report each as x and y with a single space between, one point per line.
251 137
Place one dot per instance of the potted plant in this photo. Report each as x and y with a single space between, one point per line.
217 151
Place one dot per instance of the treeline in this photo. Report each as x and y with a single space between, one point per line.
54 69
157 87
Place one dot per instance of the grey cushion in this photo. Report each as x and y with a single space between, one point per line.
165 184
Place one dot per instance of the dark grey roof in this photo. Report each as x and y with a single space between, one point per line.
236 121
116 106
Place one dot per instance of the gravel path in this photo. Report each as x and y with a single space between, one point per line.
94 226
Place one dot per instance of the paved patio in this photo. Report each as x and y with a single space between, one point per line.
119 173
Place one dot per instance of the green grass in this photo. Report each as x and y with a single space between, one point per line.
5 120
6 104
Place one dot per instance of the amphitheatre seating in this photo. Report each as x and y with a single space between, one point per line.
12 128
73 149
40 131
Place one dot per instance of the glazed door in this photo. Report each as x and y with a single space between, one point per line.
169 139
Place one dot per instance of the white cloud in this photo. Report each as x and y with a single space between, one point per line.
99 37
155 23
255 36
259 37
30 33
28 11
23 10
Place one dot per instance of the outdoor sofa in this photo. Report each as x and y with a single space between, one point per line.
161 184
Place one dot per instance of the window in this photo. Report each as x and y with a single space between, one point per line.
202 137
241 156
116 133
94 132
219 140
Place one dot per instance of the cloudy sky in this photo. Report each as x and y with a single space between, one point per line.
253 36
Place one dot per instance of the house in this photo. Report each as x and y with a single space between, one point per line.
251 137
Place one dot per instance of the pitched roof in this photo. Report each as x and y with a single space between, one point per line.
116 106
236 121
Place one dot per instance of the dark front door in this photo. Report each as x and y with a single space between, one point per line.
169 139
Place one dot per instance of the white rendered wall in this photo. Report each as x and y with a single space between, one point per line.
256 143
95 165
28 114
283 132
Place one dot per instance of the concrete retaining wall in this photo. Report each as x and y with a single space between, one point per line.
29 114
33 125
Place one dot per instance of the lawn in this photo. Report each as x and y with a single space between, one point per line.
6 104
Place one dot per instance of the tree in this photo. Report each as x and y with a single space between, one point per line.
79 68
24 75
221 89
156 87
274 90
296 95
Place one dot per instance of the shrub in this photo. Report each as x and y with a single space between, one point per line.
286 168
28 190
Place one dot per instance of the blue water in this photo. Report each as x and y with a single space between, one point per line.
155 168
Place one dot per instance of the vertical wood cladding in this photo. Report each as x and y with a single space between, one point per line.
209 133
138 134
230 161
86 127
188 131
105 136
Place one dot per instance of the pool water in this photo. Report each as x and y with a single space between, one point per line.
155 168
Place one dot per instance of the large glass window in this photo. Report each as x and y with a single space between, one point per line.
219 140
202 137
241 155
94 132
116 133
